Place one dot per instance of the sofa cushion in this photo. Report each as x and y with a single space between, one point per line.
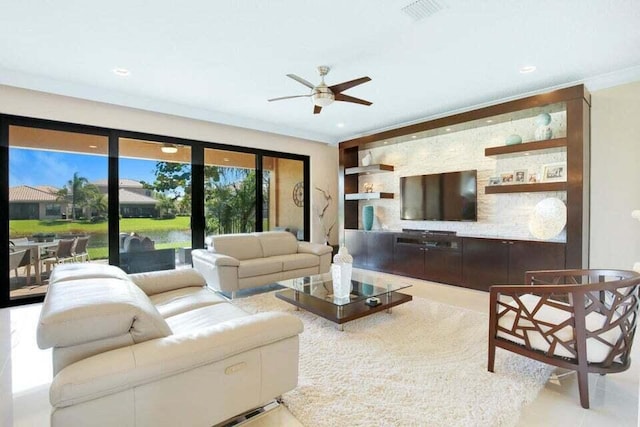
259 267
239 246
78 311
194 320
184 299
277 243
596 350
297 261
155 282
75 271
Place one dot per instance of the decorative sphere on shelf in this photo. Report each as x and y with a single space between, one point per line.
513 140
543 119
548 218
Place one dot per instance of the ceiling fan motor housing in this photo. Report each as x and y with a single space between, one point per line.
322 95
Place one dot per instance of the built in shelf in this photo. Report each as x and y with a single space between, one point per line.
366 170
368 196
549 145
526 188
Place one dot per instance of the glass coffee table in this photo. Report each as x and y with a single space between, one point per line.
315 294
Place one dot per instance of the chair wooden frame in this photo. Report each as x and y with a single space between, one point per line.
578 293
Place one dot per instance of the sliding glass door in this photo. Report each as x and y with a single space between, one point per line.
283 190
229 191
57 204
155 205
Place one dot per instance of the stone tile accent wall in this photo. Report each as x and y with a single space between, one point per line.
499 215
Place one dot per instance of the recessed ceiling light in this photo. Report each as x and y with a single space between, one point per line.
386 142
93 146
526 154
527 69
489 121
226 159
122 72
413 136
448 129
340 125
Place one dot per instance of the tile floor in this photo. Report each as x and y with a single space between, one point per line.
25 374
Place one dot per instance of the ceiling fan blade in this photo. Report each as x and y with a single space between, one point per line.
317 109
289 97
300 80
341 87
347 98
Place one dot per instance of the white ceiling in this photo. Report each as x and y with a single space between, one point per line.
221 60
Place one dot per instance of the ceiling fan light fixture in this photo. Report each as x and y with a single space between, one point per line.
322 97
169 149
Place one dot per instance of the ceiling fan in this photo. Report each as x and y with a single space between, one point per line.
323 95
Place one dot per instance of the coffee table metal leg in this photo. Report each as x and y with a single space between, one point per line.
388 302
340 327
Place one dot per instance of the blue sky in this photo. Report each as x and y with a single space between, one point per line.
37 167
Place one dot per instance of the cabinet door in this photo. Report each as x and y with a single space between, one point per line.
443 265
485 262
357 246
528 256
408 259
379 250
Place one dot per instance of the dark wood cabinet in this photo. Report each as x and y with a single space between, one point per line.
476 263
488 262
485 262
528 256
370 250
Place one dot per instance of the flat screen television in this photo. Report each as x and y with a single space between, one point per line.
450 196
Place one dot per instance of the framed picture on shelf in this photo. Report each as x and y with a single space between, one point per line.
495 180
506 178
520 176
554 172
533 178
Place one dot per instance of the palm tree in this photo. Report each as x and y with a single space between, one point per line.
73 192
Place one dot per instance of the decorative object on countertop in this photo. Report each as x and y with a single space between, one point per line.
366 160
548 218
543 130
513 140
367 217
341 273
368 187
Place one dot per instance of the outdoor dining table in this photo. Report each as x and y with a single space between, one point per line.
36 249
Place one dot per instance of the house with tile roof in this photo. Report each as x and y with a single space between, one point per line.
41 202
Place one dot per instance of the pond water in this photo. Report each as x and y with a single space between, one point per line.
100 240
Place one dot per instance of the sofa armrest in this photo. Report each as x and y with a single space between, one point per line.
314 248
128 367
218 260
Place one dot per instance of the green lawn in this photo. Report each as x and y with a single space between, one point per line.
27 227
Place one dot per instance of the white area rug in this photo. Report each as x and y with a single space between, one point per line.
423 365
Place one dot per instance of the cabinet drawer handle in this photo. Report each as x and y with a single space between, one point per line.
511 243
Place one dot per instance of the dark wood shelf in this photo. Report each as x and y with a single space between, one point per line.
548 145
526 188
366 170
368 196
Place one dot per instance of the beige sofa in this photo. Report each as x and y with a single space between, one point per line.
158 349
240 261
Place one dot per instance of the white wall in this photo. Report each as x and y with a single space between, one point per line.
324 158
615 176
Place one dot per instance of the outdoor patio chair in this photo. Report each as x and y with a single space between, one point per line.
62 253
80 252
582 320
19 259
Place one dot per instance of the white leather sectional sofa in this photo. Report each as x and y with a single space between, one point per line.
241 261
158 349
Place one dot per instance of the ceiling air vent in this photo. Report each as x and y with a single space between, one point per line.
421 9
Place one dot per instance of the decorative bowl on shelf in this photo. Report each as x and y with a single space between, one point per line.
513 140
